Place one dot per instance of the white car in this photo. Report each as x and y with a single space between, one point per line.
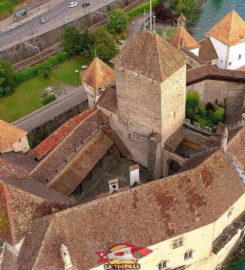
73 4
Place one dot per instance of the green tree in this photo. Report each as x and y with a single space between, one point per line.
104 46
45 69
218 114
188 7
118 22
87 41
7 78
193 104
71 40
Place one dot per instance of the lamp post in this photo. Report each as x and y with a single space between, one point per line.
150 15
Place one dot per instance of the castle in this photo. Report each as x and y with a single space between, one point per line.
57 210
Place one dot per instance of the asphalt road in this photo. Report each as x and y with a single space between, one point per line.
59 14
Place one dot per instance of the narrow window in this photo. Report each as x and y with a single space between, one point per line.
162 265
230 63
188 255
177 243
239 57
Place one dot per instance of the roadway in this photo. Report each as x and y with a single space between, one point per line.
58 14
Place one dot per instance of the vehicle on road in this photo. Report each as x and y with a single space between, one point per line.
19 15
44 20
85 4
73 4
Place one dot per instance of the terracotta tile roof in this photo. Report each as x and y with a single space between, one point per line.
210 72
230 30
48 166
24 200
162 59
182 39
9 170
76 170
207 51
151 213
60 134
9 260
9 135
98 74
108 100
242 68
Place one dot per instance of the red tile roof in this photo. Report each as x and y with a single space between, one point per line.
151 213
24 200
60 134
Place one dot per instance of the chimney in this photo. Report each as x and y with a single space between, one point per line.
134 172
66 257
224 140
113 185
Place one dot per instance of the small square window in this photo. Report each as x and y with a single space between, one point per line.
177 243
230 63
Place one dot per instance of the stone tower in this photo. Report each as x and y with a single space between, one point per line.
96 79
151 94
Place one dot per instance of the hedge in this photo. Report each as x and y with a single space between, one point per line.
30 72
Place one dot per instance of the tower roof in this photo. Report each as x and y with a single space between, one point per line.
181 18
98 74
182 39
9 135
230 30
149 55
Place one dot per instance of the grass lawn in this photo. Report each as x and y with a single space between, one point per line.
170 33
26 98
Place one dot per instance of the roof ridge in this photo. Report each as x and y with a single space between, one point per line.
73 130
158 58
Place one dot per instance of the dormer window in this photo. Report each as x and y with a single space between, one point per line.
163 265
177 243
189 255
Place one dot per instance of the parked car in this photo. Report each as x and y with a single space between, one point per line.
73 4
44 20
85 4
20 14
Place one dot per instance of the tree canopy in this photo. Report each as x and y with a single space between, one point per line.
118 22
7 78
104 45
71 40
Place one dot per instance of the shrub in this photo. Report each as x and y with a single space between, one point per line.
30 72
47 99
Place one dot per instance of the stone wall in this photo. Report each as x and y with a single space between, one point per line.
38 134
45 40
231 94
